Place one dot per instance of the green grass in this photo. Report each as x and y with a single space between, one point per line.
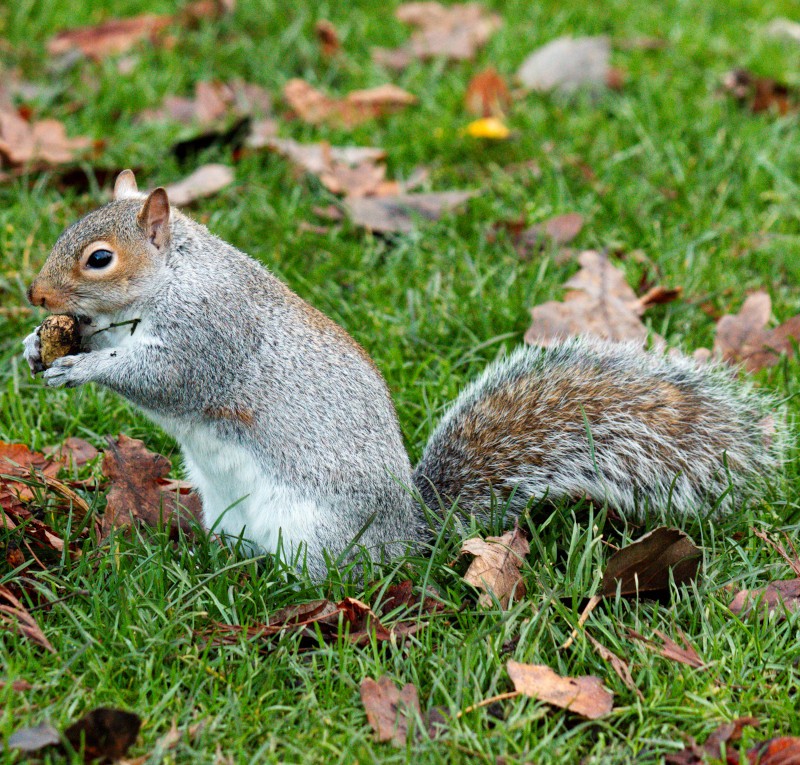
432 308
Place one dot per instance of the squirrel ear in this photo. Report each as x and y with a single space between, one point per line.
125 186
154 218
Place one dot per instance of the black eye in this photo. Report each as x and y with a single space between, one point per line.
100 259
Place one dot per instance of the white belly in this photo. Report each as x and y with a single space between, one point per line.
242 497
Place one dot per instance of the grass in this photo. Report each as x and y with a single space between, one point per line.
705 189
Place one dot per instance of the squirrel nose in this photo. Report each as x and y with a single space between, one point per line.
35 297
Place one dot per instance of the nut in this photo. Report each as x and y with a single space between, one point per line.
59 336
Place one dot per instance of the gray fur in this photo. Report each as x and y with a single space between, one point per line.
635 450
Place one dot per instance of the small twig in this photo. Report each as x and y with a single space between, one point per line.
486 702
60 600
133 322
590 606
781 550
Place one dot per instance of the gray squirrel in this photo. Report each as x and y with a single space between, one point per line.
286 425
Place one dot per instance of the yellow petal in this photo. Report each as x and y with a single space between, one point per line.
489 127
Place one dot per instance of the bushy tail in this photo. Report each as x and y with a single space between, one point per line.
607 421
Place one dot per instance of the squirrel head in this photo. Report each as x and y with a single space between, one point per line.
104 262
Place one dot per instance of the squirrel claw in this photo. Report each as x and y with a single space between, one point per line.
64 372
32 353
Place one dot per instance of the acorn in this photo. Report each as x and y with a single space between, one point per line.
58 336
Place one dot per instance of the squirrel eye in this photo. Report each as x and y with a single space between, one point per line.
99 259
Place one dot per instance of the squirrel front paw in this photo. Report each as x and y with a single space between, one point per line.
33 352
71 371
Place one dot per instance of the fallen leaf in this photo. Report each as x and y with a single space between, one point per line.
17 460
74 451
560 230
16 618
496 566
136 494
45 141
647 565
743 338
778 597
109 38
599 302
18 686
402 594
659 295
584 695
685 654
759 94
782 750
397 213
715 745
567 64
315 108
103 734
491 128
33 739
389 711
487 94
319 618
212 102
206 181
316 158
328 38
785 29
454 32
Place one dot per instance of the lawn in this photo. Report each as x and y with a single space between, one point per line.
668 166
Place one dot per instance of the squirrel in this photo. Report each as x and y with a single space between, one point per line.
287 428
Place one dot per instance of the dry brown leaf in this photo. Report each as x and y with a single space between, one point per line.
328 38
206 181
317 158
212 102
782 750
103 734
390 711
714 746
599 302
776 597
109 38
496 567
685 654
314 107
584 695
650 563
74 451
17 460
397 213
659 296
759 94
15 617
46 141
487 94
743 337
18 686
454 32
567 64
136 493
319 618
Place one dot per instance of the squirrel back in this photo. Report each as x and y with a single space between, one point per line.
586 418
287 428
